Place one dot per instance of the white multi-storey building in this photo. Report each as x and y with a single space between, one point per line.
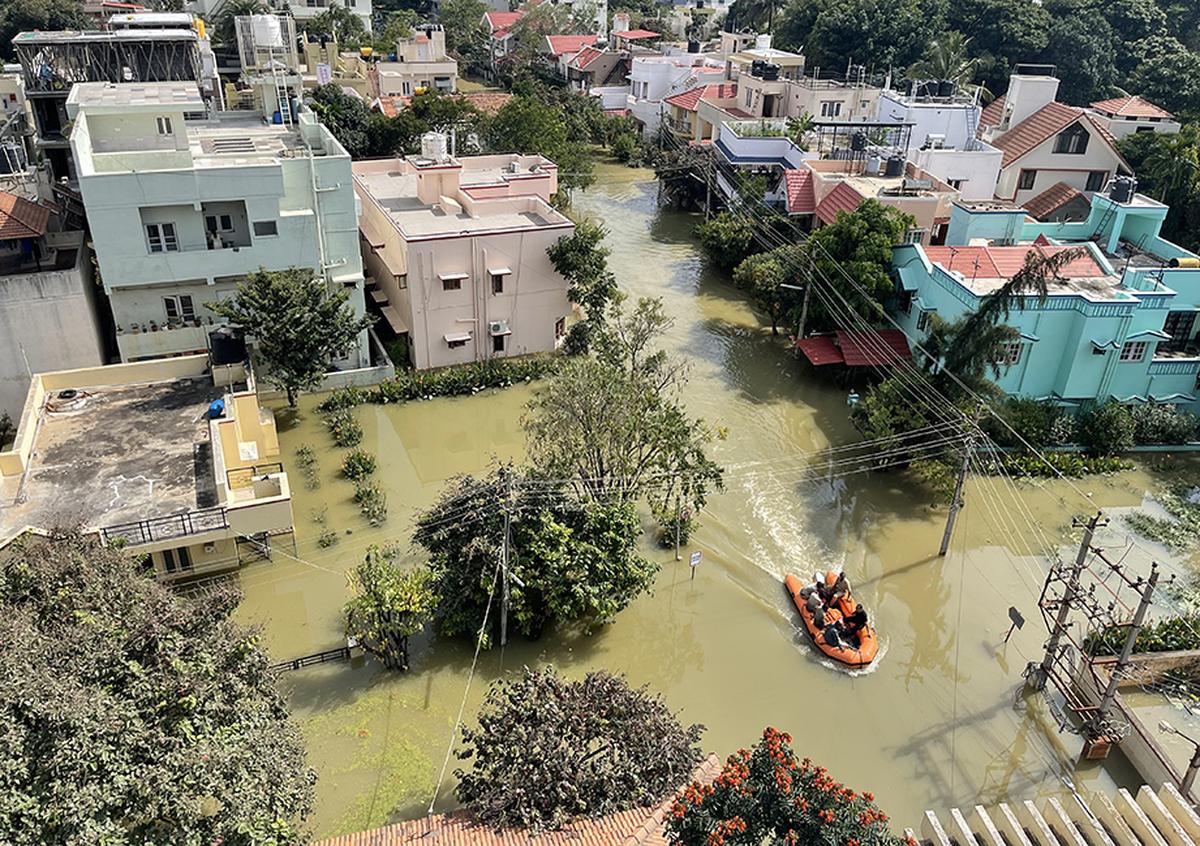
183 205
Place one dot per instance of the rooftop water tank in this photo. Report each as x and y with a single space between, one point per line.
433 147
226 346
770 72
762 42
945 88
858 141
1122 189
693 46
267 31
894 166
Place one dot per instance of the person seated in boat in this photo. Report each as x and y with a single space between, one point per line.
833 587
853 624
817 608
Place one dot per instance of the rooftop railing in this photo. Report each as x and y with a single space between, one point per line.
167 528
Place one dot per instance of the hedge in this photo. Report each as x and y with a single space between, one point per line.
448 382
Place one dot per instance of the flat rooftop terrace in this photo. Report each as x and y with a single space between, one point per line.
115 455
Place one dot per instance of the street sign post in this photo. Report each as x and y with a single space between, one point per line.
694 563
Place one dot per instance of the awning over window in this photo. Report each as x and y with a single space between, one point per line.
457 337
1147 334
1102 345
448 277
500 271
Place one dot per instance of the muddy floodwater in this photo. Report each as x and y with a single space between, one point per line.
936 723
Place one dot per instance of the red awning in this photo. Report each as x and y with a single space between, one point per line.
821 350
871 348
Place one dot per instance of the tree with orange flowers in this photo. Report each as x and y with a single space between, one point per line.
764 795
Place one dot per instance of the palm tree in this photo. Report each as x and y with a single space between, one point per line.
223 29
949 57
798 128
1172 166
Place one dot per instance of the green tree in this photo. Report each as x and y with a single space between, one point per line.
389 606
528 125
569 561
858 243
347 117
398 25
134 715
1081 48
297 324
18 16
727 238
441 112
764 275
462 21
548 751
1168 169
340 24
1131 21
1002 34
764 795
794 24
1169 74
883 33
948 57
224 31
582 259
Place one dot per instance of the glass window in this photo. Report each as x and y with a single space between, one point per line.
1133 351
164 125
1026 179
179 308
1072 140
218 223
161 237
1178 325
451 284
1096 180
831 108
497 283
1008 353
923 320
498 343
177 559
265 227
914 236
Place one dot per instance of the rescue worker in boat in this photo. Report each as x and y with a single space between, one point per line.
853 625
816 608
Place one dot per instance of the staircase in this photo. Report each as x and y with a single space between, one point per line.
1152 818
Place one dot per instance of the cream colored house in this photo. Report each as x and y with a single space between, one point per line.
132 454
421 64
1124 116
455 253
1045 142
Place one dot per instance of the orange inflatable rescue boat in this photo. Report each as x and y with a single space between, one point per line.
851 654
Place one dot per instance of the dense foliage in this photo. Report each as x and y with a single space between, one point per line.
132 715
764 275
18 16
388 606
582 259
1182 529
764 795
1167 635
727 238
549 750
297 324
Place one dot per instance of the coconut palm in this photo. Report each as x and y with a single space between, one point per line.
223 29
949 57
798 128
1172 165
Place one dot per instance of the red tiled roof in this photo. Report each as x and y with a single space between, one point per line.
689 100
1045 123
843 198
801 198
1051 200
867 348
560 44
501 21
21 218
585 57
635 827
734 111
1005 262
1134 107
637 34
992 113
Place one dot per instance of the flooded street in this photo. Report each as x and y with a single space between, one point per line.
935 723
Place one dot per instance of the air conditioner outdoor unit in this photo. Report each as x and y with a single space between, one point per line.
498 327
210 548
935 141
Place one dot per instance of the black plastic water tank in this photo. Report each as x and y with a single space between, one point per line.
1122 190
770 72
227 345
693 46
858 141
894 166
946 88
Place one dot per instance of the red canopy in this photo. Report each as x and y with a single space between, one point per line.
870 348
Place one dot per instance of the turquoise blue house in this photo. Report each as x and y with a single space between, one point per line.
1120 322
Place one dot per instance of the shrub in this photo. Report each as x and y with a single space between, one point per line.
764 795
372 501
1106 429
358 464
1074 464
306 457
327 539
1167 635
727 238
625 148
1155 423
549 750
1034 420
345 430
1182 531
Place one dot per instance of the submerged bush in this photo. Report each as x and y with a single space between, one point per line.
372 501
1106 429
1155 423
344 429
358 464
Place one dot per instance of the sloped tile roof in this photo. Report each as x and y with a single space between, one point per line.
1049 120
992 113
637 34
635 827
21 218
689 100
1005 262
800 196
501 21
843 198
585 57
873 347
1135 107
561 44
1051 200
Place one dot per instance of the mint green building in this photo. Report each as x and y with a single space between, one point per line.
1119 323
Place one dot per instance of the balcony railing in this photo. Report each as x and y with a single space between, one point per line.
244 477
167 528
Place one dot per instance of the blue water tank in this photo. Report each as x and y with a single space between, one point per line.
216 409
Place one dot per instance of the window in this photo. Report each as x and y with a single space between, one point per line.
406 88
905 301
1073 140
177 559
914 236
451 284
1008 353
1144 129
161 237
179 308
1099 350
956 184
1133 351
1178 325
218 222
831 108
560 328
498 343
264 228
455 343
924 318
1096 180
1026 179
497 283
164 125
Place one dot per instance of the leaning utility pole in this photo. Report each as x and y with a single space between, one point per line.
1038 674
504 563
1110 691
956 503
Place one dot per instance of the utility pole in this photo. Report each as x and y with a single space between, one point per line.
708 167
678 520
504 562
956 503
1041 672
1139 616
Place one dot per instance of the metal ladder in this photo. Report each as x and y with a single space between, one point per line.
282 96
